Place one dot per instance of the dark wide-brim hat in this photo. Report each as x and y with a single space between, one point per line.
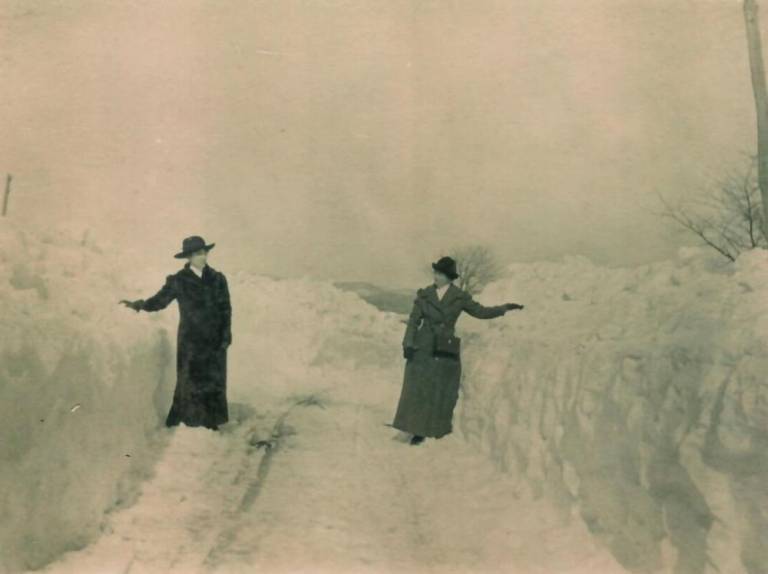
191 245
446 266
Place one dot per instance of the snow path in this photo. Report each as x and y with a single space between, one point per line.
324 486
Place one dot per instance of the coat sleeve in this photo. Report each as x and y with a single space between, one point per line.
162 298
225 308
414 320
479 311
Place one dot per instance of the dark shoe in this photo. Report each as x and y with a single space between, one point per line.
417 440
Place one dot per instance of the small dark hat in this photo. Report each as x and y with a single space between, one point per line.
192 244
446 266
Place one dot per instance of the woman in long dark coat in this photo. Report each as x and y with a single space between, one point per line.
430 346
204 334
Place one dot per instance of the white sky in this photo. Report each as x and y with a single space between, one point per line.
359 140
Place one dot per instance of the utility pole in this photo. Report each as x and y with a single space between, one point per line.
757 69
8 179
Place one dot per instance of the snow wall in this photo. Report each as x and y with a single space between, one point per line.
83 391
634 399
637 401
85 384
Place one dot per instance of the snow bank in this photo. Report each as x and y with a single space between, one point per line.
637 400
84 388
300 338
85 384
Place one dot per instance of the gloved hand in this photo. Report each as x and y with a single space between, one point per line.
135 305
513 306
408 353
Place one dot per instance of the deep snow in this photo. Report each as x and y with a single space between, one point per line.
638 398
85 384
83 389
337 492
621 418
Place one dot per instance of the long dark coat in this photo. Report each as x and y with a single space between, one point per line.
204 333
431 384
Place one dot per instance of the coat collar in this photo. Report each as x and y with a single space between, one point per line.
207 270
450 294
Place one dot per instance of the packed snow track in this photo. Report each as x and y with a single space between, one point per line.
324 486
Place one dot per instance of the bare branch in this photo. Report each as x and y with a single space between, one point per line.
729 218
700 226
477 267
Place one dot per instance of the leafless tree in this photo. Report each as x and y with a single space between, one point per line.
729 219
477 267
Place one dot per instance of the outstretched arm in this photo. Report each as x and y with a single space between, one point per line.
161 299
481 311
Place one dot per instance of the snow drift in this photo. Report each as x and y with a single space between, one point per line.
633 399
83 391
300 338
85 384
637 400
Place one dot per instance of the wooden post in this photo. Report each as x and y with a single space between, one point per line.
757 69
8 179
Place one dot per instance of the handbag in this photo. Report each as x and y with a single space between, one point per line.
447 345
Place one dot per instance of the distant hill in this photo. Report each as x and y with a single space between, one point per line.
384 299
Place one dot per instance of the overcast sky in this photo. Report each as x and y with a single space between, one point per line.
360 140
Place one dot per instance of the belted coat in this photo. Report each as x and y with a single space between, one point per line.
431 382
204 334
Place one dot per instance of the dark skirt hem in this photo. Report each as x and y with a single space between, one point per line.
208 413
424 434
429 396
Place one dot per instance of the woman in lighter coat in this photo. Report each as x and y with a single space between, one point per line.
433 357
